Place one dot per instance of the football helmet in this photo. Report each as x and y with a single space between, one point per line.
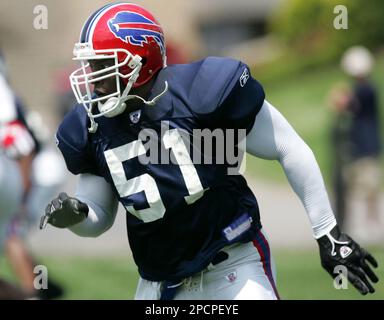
131 42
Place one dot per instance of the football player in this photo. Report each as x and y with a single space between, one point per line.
26 184
194 230
11 184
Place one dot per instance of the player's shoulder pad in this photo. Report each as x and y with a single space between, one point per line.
200 85
72 140
214 81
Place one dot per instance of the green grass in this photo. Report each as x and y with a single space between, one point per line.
302 99
89 278
300 276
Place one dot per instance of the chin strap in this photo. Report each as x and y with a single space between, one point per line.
94 125
155 99
151 102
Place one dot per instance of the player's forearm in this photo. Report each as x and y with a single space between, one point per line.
273 138
94 225
97 194
304 176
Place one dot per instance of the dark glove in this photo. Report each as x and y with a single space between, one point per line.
64 212
337 249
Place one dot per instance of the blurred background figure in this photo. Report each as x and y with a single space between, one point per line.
23 140
357 145
10 199
11 184
340 144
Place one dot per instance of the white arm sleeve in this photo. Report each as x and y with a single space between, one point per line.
273 138
102 203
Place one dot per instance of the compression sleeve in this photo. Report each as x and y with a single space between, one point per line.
102 203
273 138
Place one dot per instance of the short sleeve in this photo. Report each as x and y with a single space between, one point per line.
229 96
238 109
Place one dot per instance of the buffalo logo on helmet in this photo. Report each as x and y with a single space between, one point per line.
135 29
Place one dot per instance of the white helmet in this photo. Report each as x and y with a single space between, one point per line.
357 61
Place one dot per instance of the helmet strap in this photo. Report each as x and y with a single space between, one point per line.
120 106
151 102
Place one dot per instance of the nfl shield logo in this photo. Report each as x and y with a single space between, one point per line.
231 276
135 116
345 251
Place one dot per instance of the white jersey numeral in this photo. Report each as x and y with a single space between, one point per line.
173 140
145 182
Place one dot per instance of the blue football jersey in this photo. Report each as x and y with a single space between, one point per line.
180 213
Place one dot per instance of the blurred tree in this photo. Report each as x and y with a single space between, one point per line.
307 27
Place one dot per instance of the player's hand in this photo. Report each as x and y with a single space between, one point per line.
337 249
64 211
